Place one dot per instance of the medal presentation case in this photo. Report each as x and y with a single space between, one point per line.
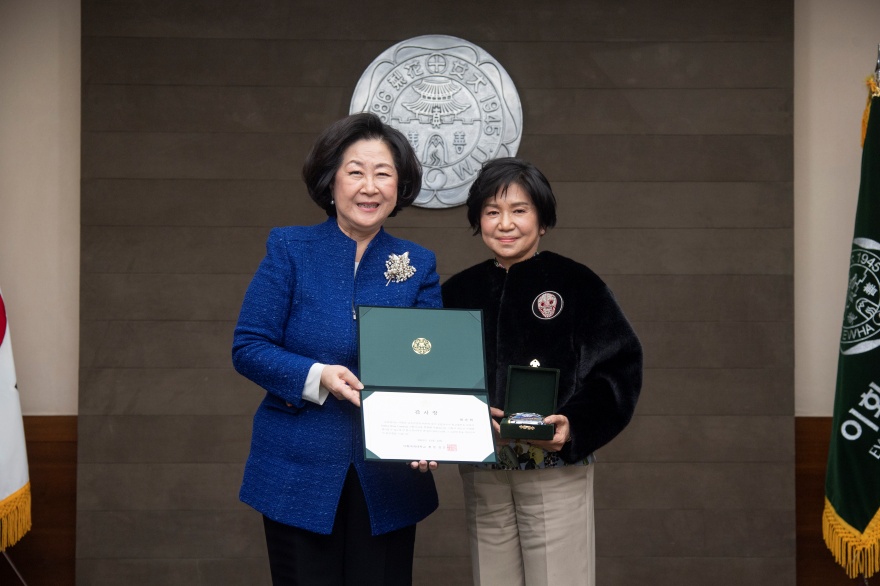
530 390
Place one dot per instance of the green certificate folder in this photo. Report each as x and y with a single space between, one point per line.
424 376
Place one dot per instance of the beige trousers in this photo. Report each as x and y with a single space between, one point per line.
531 527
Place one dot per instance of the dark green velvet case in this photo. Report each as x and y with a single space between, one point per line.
530 390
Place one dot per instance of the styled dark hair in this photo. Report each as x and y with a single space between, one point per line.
497 175
319 170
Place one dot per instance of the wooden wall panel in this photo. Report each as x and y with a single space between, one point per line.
666 130
815 564
748 20
51 444
46 554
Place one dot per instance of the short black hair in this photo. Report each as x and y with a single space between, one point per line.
319 170
497 175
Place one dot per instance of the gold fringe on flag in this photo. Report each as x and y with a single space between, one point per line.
858 552
873 92
15 516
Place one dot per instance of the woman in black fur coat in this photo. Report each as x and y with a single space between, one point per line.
530 517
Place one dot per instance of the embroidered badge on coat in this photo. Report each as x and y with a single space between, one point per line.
547 305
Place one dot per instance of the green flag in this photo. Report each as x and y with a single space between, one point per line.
851 520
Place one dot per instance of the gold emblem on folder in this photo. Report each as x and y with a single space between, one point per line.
421 346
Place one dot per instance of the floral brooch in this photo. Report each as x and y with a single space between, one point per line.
398 268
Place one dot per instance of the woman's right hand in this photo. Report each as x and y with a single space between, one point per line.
342 383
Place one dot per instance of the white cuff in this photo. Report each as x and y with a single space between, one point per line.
312 389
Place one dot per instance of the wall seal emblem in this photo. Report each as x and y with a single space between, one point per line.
861 318
453 101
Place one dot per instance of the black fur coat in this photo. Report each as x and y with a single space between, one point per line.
557 311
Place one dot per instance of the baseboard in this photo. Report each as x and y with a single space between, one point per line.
46 554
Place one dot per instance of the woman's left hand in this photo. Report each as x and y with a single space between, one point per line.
496 415
423 465
342 383
560 437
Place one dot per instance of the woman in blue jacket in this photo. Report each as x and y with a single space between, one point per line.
330 517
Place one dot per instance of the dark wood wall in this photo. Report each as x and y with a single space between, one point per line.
815 564
666 129
46 554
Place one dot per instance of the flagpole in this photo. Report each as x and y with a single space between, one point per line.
14 569
877 67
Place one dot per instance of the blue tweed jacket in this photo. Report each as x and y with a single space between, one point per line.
298 310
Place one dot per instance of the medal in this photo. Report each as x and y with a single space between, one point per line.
526 419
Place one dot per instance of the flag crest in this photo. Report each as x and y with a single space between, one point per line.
851 519
15 488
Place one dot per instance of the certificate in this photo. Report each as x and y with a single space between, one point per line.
443 427
424 376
